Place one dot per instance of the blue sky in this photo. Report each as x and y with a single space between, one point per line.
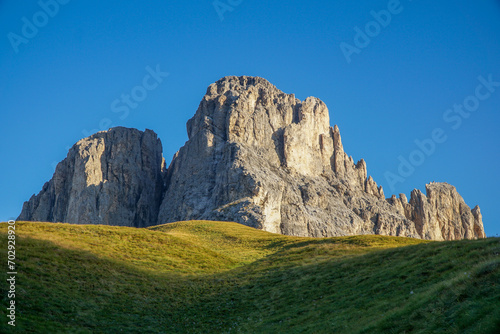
409 75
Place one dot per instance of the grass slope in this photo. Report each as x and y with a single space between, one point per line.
216 277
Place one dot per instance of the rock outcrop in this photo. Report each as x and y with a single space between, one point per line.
443 215
112 177
255 155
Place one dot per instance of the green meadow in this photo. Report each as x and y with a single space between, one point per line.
220 277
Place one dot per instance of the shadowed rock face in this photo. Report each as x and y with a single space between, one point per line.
263 158
255 155
112 177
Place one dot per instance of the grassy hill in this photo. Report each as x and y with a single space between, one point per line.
217 277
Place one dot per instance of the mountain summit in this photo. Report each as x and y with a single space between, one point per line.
255 155
113 177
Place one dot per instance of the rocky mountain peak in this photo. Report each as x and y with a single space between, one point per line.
441 214
264 158
113 177
255 155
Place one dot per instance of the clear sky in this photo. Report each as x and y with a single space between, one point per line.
391 73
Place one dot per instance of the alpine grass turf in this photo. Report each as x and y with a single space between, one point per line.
219 277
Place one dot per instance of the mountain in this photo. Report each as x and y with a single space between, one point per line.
112 177
256 156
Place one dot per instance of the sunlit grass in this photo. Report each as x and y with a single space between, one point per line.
218 277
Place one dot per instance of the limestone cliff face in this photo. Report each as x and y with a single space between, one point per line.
443 215
255 155
263 158
112 177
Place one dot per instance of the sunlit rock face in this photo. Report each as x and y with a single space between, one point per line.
264 158
255 155
113 177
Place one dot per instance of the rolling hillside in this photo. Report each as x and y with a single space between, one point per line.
218 277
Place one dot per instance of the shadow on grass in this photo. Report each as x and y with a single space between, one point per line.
420 288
